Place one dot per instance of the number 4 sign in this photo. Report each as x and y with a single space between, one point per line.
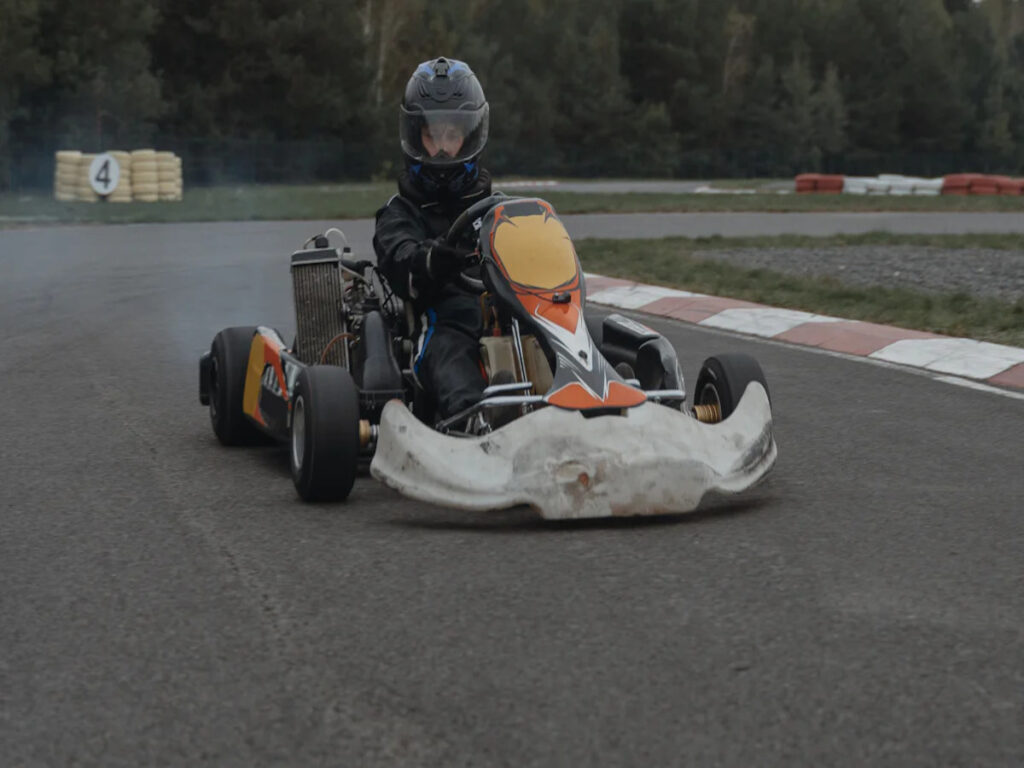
104 173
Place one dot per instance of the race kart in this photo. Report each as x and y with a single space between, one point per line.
583 416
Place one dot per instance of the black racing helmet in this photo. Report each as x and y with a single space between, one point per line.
442 98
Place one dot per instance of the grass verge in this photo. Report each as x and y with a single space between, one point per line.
351 201
233 203
580 202
670 262
999 242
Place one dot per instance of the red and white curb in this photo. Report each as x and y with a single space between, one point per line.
979 360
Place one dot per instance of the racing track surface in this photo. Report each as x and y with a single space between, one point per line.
165 601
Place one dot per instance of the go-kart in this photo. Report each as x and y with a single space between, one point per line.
583 416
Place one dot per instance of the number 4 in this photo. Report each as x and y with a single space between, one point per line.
103 174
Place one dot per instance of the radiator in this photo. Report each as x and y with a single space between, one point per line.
319 307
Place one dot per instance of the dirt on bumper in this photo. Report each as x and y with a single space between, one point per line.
652 460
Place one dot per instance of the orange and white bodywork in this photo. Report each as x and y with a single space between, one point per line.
269 379
534 270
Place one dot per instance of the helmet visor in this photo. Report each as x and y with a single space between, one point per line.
443 137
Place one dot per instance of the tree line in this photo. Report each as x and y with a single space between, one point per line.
584 87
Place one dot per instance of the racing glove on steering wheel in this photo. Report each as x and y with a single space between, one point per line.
443 261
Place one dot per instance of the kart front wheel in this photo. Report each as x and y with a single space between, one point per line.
721 383
229 359
324 444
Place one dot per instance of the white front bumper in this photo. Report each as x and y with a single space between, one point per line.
651 461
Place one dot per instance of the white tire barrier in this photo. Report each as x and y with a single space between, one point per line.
928 187
898 185
911 185
855 185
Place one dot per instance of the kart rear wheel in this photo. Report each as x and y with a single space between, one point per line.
229 359
724 378
324 445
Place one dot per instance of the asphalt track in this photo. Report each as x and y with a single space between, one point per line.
166 601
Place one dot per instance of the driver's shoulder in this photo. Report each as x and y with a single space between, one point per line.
397 206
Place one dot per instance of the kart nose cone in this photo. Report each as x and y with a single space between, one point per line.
652 460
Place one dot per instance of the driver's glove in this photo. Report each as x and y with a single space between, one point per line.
443 261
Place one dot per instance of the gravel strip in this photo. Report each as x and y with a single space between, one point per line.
988 273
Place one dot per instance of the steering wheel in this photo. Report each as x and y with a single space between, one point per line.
458 229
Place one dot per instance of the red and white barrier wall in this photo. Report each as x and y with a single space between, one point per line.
894 184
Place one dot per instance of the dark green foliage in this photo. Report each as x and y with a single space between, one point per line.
577 87
102 85
23 66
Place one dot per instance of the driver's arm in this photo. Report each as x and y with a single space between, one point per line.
414 264
400 240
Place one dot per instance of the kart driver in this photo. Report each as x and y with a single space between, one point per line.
443 129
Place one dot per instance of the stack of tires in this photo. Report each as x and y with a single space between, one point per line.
123 191
819 183
65 175
1008 186
145 176
981 184
84 193
169 180
891 184
864 185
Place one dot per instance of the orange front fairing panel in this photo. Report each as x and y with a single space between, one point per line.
533 267
622 395
577 397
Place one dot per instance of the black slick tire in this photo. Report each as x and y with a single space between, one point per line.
324 444
229 359
724 378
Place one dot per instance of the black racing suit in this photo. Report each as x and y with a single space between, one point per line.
448 363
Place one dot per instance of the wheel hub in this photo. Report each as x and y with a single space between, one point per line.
708 408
